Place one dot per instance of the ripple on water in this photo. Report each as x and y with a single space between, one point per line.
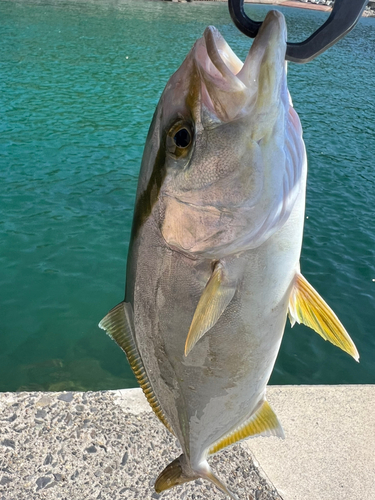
78 87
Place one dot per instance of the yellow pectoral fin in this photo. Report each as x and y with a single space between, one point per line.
213 302
307 306
119 326
263 422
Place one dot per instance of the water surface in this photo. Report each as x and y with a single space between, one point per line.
79 82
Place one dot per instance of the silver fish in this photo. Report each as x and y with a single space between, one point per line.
213 266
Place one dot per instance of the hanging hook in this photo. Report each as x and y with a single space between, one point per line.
344 16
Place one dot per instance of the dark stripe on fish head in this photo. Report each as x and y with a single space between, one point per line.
149 196
179 104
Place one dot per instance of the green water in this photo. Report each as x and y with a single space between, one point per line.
78 86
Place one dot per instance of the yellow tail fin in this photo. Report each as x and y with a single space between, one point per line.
179 471
173 475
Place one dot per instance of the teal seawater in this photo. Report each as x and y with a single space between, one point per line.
79 82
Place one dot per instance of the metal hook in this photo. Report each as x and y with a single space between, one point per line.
344 16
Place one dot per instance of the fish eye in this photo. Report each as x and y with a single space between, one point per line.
182 138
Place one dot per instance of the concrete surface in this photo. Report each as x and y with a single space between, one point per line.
109 445
102 446
329 447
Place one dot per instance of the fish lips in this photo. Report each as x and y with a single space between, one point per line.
231 89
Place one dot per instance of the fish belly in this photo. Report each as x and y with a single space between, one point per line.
221 381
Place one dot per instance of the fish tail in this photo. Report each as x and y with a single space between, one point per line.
180 471
177 472
205 472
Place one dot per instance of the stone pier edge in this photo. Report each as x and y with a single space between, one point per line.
328 452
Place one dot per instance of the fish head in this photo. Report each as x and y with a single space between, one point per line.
220 139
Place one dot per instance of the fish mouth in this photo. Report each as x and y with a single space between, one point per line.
229 86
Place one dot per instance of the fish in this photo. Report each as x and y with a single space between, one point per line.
213 267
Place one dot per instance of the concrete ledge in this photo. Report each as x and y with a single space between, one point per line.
109 445
102 445
329 447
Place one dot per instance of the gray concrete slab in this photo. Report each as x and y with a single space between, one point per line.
329 447
109 445
102 446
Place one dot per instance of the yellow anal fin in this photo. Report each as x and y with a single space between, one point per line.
213 302
262 423
119 326
307 306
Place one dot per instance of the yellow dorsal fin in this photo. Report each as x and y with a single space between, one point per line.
307 306
119 326
213 302
262 423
